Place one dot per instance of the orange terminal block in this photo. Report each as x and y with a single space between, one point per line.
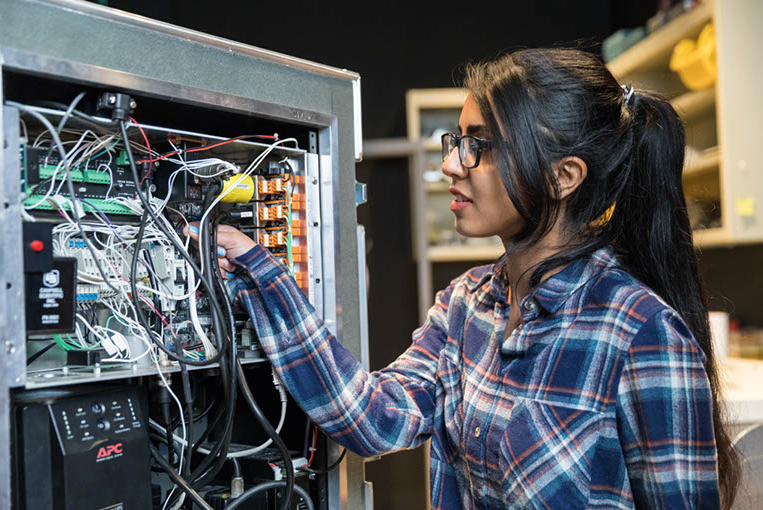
278 212
273 239
271 187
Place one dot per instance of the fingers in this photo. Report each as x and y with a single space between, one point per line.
226 265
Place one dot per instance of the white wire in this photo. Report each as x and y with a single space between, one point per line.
241 453
252 167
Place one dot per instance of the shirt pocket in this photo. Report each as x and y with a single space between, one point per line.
452 402
546 453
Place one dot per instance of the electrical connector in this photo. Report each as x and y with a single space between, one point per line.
273 239
120 105
278 212
271 187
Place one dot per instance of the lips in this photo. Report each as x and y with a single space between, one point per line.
461 201
460 197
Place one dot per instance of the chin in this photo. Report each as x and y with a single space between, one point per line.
467 230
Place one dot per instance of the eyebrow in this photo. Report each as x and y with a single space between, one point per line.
474 129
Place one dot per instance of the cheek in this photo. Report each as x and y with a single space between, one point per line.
499 211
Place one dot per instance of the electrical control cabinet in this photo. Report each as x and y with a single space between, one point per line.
121 340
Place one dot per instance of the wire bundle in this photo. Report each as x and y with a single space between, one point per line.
140 304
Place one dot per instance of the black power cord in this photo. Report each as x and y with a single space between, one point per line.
237 502
330 468
215 307
178 479
270 431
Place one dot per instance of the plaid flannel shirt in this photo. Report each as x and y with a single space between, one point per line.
599 399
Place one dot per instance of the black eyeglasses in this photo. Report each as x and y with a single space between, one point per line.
469 148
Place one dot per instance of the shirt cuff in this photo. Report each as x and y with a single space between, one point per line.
260 263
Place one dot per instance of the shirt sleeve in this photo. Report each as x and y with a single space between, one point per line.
665 418
369 413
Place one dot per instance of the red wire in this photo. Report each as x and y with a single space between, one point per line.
312 450
148 145
206 147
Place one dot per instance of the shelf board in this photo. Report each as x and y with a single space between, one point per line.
429 145
702 165
711 237
436 187
464 253
694 102
436 98
654 51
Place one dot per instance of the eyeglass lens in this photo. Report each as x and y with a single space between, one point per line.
467 149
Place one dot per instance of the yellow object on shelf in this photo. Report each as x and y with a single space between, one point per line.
695 61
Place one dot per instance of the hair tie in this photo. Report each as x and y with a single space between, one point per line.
628 93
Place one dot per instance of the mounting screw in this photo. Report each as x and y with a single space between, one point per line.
315 223
317 280
133 104
315 181
9 347
112 99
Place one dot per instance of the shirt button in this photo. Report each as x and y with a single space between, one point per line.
477 432
529 305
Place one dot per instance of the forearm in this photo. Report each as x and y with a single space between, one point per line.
370 413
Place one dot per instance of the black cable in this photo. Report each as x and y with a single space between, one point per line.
188 398
237 502
217 312
99 124
34 357
330 468
277 441
176 421
178 479
306 446
208 252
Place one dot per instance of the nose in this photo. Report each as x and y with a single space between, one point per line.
452 167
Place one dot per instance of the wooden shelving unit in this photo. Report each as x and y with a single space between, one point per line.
729 170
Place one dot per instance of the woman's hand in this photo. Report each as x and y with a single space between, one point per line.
231 243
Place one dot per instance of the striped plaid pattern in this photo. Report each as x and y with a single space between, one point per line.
598 400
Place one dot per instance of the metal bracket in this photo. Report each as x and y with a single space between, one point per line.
361 194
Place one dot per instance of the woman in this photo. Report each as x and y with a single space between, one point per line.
577 371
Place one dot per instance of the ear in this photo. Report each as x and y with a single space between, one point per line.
570 173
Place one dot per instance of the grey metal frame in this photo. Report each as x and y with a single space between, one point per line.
228 76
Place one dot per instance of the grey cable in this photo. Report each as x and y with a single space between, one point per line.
267 486
65 118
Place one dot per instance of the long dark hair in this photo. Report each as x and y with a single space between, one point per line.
553 103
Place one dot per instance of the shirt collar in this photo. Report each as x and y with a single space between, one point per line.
553 292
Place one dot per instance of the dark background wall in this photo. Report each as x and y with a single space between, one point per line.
396 46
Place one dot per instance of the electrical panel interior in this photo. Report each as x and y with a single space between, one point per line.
133 338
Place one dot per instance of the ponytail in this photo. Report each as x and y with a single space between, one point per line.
654 242
542 105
